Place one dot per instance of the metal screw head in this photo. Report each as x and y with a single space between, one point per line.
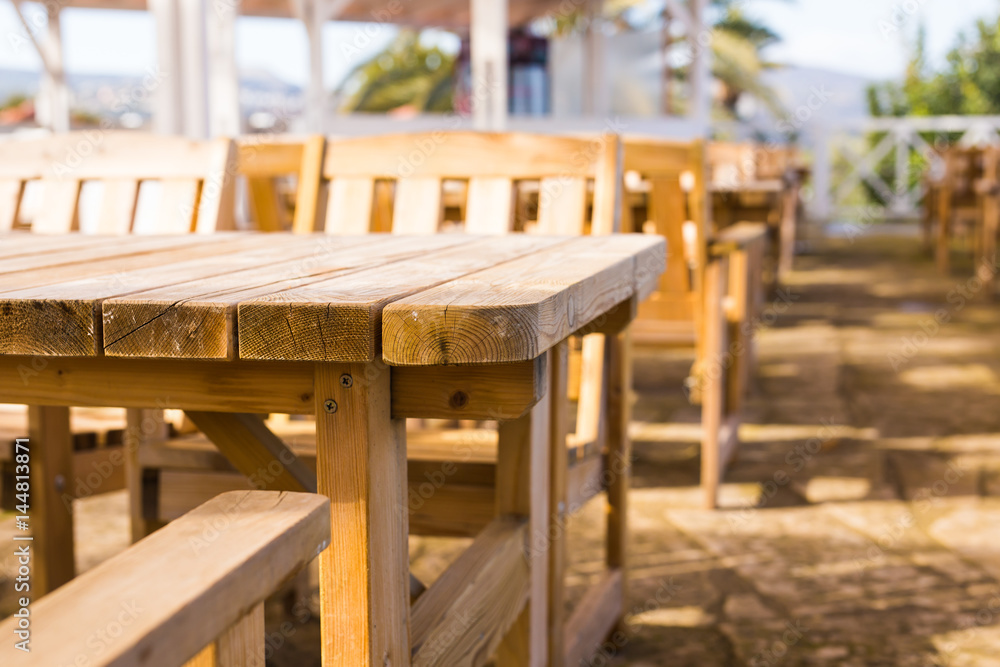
346 380
330 405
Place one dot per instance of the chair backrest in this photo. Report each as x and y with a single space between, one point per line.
264 160
731 164
963 167
673 174
495 167
194 181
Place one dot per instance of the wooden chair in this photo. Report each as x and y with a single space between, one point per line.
195 194
366 184
752 183
191 594
709 295
959 201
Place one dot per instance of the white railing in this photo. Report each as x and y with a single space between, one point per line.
845 159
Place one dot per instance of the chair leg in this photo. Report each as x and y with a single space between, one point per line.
713 381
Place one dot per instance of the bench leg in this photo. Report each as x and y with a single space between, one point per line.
361 467
51 474
522 489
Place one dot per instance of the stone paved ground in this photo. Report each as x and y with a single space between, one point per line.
881 544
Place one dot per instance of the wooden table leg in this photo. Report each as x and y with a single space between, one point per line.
361 467
522 489
558 429
619 456
51 505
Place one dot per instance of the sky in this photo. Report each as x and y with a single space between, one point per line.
862 37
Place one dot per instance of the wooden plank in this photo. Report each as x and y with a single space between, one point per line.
128 253
268 213
181 587
608 177
58 216
461 154
178 206
737 237
213 386
64 318
268 158
593 619
255 451
713 380
242 643
523 475
51 460
108 155
307 191
118 206
197 319
490 206
559 505
418 206
341 318
618 466
10 202
590 414
461 619
496 392
562 206
361 467
143 428
584 481
517 310
97 471
349 210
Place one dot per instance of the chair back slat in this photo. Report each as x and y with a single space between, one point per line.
351 203
58 213
562 206
490 206
118 206
11 192
178 208
419 199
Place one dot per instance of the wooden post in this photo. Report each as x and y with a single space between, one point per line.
51 514
522 490
168 117
224 118
489 64
194 97
595 97
713 380
619 458
142 429
361 467
558 429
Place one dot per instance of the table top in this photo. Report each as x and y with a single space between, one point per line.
414 300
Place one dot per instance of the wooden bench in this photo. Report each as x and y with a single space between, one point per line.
959 199
192 593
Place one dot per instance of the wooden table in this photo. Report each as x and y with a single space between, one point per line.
362 332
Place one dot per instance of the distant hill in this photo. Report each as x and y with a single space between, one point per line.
111 95
795 85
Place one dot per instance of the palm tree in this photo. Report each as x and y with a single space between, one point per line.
405 75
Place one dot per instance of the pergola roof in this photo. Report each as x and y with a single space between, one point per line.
425 13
